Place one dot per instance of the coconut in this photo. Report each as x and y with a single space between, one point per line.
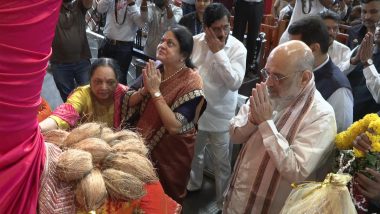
82 132
91 191
73 165
107 135
132 163
56 136
98 148
127 135
131 145
123 186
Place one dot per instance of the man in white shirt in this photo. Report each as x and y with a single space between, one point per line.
330 80
287 128
339 53
123 19
220 59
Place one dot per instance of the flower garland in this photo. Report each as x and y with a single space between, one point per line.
343 140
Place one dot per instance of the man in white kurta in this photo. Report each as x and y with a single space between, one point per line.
287 129
220 58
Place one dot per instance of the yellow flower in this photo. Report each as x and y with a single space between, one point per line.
358 153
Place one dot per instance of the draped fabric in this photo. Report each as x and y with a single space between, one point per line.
80 105
27 30
174 169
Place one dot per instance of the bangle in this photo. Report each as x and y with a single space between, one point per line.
131 4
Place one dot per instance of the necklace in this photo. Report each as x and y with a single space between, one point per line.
169 77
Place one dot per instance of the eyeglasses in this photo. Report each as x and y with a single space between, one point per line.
266 75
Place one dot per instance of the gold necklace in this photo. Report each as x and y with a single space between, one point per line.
173 74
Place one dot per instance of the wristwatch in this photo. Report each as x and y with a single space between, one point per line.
368 63
131 4
157 94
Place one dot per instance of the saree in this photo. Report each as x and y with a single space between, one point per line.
170 154
81 106
27 30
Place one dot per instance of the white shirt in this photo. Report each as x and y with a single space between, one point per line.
283 11
296 162
340 55
222 74
372 80
342 102
134 20
316 7
158 24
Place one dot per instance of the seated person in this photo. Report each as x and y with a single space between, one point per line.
99 101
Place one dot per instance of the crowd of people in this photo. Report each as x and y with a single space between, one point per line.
143 145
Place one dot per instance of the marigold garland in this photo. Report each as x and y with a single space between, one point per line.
343 140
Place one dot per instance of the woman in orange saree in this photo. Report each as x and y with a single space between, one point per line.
164 106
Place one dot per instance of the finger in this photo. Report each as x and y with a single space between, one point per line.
260 93
374 173
364 191
366 182
252 104
158 74
256 98
266 93
360 143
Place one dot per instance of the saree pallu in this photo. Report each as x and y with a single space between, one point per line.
27 30
81 107
171 154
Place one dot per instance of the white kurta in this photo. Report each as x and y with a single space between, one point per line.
340 55
294 161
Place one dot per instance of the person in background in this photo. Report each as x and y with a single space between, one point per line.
194 20
355 16
370 14
286 129
248 12
220 58
99 101
162 15
70 60
164 105
339 53
122 22
329 79
287 11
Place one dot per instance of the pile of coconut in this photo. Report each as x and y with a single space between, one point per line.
102 164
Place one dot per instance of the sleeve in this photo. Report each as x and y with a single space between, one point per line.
240 127
104 5
350 66
187 110
138 16
373 81
296 161
60 123
342 102
345 60
177 15
231 69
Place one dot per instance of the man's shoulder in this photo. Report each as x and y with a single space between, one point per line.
235 43
321 106
199 37
341 46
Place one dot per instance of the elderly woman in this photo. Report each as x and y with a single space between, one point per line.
99 101
164 105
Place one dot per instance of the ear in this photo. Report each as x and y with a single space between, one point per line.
306 77
315 47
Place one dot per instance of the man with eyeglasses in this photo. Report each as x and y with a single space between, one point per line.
330 81
220 59
287 128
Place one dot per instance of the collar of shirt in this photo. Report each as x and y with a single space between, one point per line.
321 65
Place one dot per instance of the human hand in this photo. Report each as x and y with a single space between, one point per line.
212 40
368 187
151 77
366 48
362 143
260 106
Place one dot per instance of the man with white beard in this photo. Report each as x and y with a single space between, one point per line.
287 129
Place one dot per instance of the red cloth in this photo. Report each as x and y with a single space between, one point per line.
27 30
